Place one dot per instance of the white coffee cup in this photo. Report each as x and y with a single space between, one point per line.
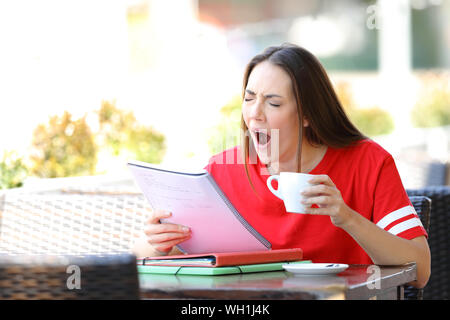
290 186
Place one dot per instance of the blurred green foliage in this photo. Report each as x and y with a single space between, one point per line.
226 134
370 121
433 106
13 170
122 134
64 147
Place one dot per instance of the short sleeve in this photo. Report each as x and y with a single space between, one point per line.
392 209
210 166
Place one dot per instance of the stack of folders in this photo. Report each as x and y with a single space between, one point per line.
221 263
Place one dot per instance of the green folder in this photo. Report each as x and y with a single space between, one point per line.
206 271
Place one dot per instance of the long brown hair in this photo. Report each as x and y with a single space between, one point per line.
316 101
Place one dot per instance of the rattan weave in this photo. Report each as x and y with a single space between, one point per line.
71 223
422 205
66 277
438 286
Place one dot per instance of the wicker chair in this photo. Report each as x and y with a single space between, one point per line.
71 223
57 277
422 205
438 286
42 234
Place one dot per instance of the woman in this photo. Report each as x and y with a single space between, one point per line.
292 121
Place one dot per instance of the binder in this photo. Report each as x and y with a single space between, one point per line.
276 277
218 271
196 201
215 260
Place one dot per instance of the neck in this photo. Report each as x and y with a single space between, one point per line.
311 156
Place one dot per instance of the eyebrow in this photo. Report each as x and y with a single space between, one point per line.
267 96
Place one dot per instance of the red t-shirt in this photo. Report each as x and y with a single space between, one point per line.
368 180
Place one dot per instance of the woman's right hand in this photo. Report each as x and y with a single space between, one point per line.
164 236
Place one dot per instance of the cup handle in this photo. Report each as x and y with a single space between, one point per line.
269 185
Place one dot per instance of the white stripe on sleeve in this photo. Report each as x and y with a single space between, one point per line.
405 225
395 215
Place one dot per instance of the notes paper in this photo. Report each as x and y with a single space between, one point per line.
196 201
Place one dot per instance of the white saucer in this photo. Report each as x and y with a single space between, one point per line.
315 268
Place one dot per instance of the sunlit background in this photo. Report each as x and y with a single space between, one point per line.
85 85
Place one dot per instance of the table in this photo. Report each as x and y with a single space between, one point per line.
358 282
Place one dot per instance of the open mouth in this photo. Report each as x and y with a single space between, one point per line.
262 137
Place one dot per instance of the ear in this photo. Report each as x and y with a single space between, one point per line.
305 122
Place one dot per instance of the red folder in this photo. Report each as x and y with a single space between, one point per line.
225 259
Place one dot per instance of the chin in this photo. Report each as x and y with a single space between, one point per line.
262 154
264 158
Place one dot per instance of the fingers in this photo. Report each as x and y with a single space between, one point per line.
320 195
166 247
164 228
319 189
163 236
166 237
321 201
163 242
323 194
322 178
159 214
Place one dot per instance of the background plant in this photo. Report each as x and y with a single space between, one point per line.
433 106
63 147
372 121
122 134
226 133
13 170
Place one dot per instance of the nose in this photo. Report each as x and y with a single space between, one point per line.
257 111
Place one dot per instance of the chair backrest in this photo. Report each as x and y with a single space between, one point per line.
57 277
422 205
438 286
71 223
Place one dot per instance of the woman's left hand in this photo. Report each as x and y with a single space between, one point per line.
329 199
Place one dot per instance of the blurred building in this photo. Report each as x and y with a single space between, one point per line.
175 63
379 47
343 33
